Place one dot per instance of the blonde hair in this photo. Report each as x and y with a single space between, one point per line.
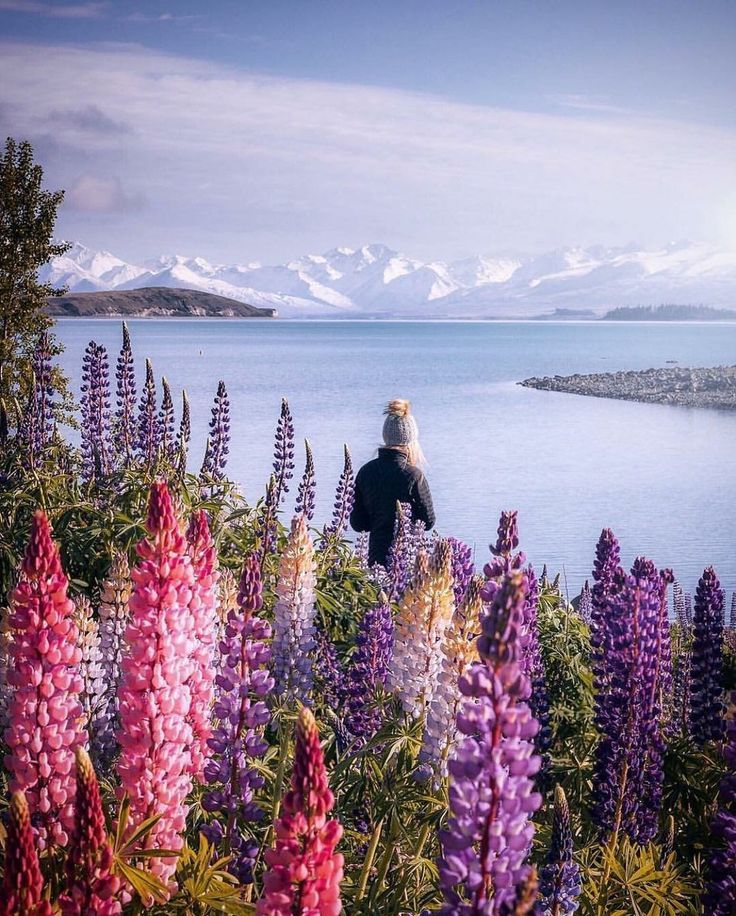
399 407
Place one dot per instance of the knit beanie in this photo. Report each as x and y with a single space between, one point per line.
399 427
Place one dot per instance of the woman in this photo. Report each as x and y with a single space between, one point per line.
394 476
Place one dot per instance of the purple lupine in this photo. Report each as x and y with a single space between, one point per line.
124 426
149 431
503 559
585 604
283 454
399 561
606 571
242 714
462 568
665 680
680 720
329 671
44 390
267 526
367 673
166 424
720 899
629 774
344 498
305 495
534 664
95 404
181 447
492 797
294 631
559 878
218 441
688 609
706 707
361 550
678 605
732 616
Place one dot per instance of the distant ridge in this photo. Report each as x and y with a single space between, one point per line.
153 302
670 313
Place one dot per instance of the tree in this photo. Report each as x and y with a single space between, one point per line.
27 218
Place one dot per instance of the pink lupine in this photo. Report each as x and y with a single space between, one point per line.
44 712
22 885
91 888
304 871
204 607
155 697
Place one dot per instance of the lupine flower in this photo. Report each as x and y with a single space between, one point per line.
344 498
721 897
227 600
166 424
330 673
90 662
204 607
293 636
44 731
114 613
492 797
368 672
559 878
462 568
585 605
399 561
678 604
534 665
95 404
503 559
629 760
304 871
22 886
242 714
706 710
424 614
306 492
665 680
218 441
149 430
361 549
6 636
181 447
283 453
155 698
126 434
688 609
37 423
267 527
603 641
459 651
680 720
732 617
91 886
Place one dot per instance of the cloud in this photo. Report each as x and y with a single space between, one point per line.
90 194
88 119
241 165
55 10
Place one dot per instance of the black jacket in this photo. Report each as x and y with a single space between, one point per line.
379 485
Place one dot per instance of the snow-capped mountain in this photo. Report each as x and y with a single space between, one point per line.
375 281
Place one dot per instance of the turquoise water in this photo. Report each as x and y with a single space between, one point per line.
661 477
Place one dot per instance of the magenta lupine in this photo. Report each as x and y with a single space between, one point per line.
44 714
167 444
91 886
721 897
344 498
559 878
366 676
154 697
218 441
149 431
114 613
306 492
125 428
95 403
283 454
22 887
706 661
304 871
294 631
492 797
204 607
242 713
181 446
462 568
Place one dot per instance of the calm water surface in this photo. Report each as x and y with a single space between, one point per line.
661 477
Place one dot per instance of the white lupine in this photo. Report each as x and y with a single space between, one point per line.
459 651
293 632
92 696
424 614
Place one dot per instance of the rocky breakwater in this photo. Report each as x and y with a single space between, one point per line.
682 387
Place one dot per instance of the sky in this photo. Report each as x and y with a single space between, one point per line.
246 131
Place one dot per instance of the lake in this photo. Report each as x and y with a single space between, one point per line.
661 477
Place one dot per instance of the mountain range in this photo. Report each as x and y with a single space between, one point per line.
377 282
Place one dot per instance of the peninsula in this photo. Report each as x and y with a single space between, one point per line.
680 386
153 302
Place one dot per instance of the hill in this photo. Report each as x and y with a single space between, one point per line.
670 313
153 302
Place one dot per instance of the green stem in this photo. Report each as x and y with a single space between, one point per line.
368 864
386 861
